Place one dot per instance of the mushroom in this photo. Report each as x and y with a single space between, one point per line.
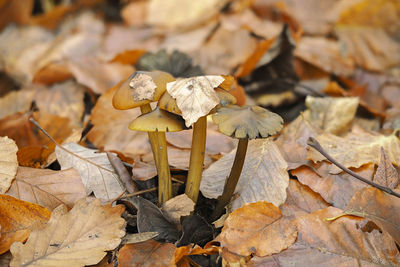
196 98
158 122
243 123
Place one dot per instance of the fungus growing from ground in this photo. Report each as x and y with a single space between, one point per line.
243 123
158 122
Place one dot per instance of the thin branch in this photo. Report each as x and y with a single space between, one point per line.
32 120
140 192
317 146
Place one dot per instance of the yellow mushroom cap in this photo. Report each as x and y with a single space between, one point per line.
225 98
141 88
168 103
158 121
247 121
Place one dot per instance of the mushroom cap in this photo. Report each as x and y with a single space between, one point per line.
158 121
225 98
141 88
247 121
168 103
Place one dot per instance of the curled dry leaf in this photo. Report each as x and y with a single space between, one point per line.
356 149
75 238
336 189
257 228
195 96
386 175
331 114
96 171
48 188
17 219
177 207
110 130
147 254
379 207
334 243
8 162
264 175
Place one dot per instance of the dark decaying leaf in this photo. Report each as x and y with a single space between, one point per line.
151 219
195 229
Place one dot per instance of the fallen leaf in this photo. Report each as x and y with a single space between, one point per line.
216 142
147 254
16 101
55 72
182 253
257 228
151 219
355 149
48 188
336 189
110 130
75 238
379 207
195 96
139 237
386 175
98 175
15 12
8 162
195 230
331 114
325 54
135 13
177 207
171 14
264 175
17 219
143 171
301 200
334 243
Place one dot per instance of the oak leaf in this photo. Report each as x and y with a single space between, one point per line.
195 96
17 219
98 175
264 175
75 238
8 162
48 188
386 175
257 228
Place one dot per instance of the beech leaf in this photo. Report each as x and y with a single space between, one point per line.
96 171
264 175
75 238
386 175
8 162
195 96
48 188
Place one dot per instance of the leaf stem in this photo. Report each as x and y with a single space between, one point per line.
196 158
312 142
231 182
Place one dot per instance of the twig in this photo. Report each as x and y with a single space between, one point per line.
140 192
32 120
312 142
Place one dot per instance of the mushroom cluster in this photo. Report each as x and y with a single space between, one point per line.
185 103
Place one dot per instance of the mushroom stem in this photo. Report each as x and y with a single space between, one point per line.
196 158
231 182
159 147
164 175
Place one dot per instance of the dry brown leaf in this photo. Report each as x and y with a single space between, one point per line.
216 142
379 207
15 12
53 73
95 169
139 237
325 54
177 207
301 200
386 175
336 189
264 175
334 243
97 75
143 171
48 188
331 114
75 238
257 228
16 101
147 254
135 13
356 149
195 96
17 219
172 14
8 162
110 130
371 48
182 253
